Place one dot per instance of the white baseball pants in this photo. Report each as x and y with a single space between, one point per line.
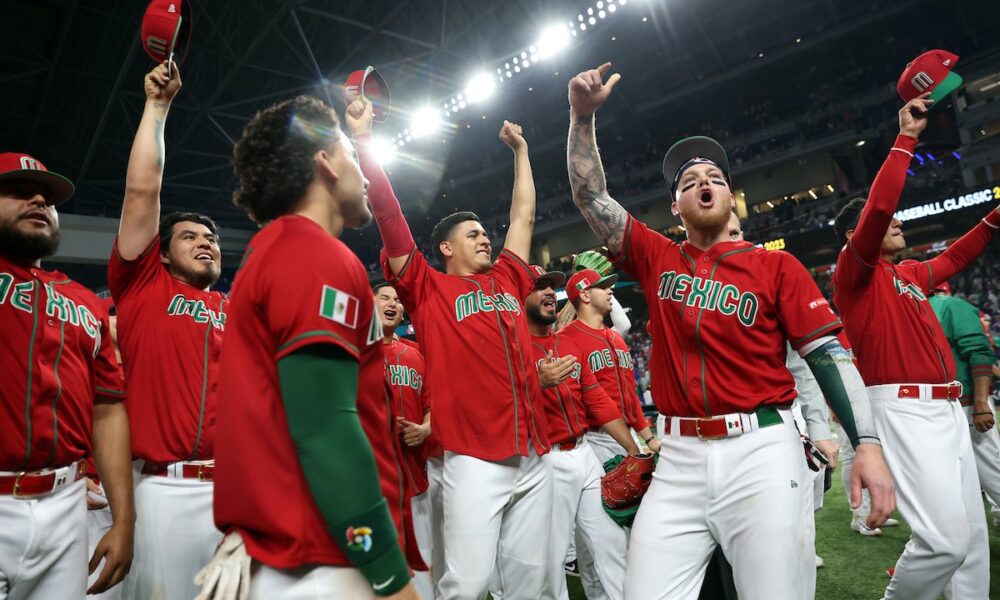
741 493
576 504
308 583
986 448
175 536
496 514
428 525
43 545
929 452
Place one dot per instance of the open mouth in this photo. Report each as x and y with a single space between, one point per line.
549 303
203 257
36 216
390 314
705 198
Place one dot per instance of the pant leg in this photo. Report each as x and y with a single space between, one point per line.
52 559
604 539
844 465
308 583
670 543
567 485
421 511
175 536
986 447
524 536
435 497
475 494
972 579
922 443
760 513
593 589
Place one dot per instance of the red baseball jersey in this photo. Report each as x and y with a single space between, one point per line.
579 401
431 446
606 353
719 319
894 332
478 355
404 375
56 358
170 338
297 286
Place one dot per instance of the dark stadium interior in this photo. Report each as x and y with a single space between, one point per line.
796 84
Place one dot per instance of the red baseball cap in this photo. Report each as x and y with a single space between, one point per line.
586 279
544 279
166 29
944 286
929 72
371 85
15 166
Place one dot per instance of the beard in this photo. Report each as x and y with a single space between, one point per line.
27 246
201 278
702 220
535 314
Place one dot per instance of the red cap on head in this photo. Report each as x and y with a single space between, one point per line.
370 84
166 29
15 166
944 286
544 279
929 72
586 279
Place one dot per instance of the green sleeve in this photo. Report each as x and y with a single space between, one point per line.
969 338
844 391
319 385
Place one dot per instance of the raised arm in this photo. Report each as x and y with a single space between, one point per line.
141 208
883 198
965 250
522 204
389 217
607 218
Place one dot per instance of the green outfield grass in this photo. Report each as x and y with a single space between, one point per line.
855 565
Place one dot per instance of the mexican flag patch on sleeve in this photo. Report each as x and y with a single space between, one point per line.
339 307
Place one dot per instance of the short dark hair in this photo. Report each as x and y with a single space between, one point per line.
848 218
167 226
446 226
273 160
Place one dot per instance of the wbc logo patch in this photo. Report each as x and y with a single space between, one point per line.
339 307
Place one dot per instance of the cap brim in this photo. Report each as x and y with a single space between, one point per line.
605 282
951 83
552 279
60 188
380 110
693 147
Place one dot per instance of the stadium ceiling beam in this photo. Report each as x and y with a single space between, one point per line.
263 34
43 102
312 57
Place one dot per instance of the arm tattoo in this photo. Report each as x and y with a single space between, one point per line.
605 216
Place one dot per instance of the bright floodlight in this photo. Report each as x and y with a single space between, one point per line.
480 87
384 152
425 121
554 39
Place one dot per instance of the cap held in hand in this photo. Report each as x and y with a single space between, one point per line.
929 72
370 85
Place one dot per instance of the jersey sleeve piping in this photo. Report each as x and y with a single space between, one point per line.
519 261
316 337
815 333
406 265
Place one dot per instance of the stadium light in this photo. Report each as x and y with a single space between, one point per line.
553 40
425 121
481 86
385 153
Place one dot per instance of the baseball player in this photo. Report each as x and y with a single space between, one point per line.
591 259
907 363
410 407
721 311
574 401
298 490
61 396
170 327
497 493
973 354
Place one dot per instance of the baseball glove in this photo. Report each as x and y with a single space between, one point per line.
625 485
592 260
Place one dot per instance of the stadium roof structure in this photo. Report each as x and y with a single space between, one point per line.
72 75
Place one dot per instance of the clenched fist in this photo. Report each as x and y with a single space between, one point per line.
512 135
159 86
